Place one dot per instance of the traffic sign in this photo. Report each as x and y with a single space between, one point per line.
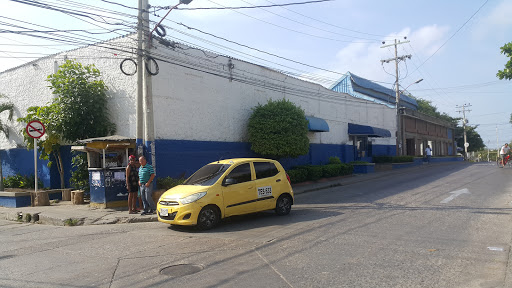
35 129
466 144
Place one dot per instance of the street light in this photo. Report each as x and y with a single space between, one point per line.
398 122
415 82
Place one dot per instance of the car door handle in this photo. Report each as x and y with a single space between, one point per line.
278 180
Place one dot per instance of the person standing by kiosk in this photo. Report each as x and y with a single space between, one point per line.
132 184
146 177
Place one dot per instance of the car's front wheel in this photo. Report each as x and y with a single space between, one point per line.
283 205
208 218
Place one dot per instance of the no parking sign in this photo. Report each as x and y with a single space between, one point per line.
35 129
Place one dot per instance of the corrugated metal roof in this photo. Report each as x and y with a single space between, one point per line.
112 138
364 83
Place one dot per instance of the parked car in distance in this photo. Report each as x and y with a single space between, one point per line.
226 188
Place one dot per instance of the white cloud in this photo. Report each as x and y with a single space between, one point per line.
363 59
497 22
428 39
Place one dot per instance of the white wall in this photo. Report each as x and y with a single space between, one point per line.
192 103
26 86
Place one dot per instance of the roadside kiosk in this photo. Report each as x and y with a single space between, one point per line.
107 158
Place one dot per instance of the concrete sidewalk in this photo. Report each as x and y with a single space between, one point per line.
64 213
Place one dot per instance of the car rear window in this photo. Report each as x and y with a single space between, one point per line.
265 169
207 175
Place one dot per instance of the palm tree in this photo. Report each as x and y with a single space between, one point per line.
5 129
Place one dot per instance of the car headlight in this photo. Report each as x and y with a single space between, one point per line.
192 198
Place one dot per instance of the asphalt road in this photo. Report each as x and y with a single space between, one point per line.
442 226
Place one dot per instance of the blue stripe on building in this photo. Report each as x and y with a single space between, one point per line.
181 158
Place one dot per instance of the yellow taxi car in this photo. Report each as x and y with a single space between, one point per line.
226 188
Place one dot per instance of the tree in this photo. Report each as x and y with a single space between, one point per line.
473 138
278 129
78 112
426 107
507 72
82 99
5 107
475 141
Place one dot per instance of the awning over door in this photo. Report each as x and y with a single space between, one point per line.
317 124
356 129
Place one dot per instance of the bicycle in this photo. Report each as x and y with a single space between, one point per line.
504 162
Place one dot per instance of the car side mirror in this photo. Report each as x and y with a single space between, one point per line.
229 181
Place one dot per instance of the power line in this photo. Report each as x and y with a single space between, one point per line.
292 30
307 25
453 35
256 49
323 22
250 7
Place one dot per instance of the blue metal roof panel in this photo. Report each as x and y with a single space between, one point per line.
364 83
317 124
356 129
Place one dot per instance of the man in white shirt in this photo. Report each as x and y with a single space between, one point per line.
504 149
428 152
503 152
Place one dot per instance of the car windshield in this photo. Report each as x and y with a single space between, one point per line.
207 175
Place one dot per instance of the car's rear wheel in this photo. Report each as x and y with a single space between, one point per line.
208 218
283 205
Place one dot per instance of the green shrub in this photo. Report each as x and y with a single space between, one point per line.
168 182
359 162
19 181
298 175
346 169
71 222
80 174
382 159
278 129
331 170
402 159
315 172
392 159
334 160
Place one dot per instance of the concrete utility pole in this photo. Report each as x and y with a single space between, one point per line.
464 122
149 123
488 143
140 82
399 140
144 79
145 119
497 144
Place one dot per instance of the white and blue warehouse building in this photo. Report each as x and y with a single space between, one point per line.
201 103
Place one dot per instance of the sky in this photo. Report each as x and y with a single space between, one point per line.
454 45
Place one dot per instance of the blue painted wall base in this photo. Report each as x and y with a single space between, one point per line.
23 199
364 168
15 199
